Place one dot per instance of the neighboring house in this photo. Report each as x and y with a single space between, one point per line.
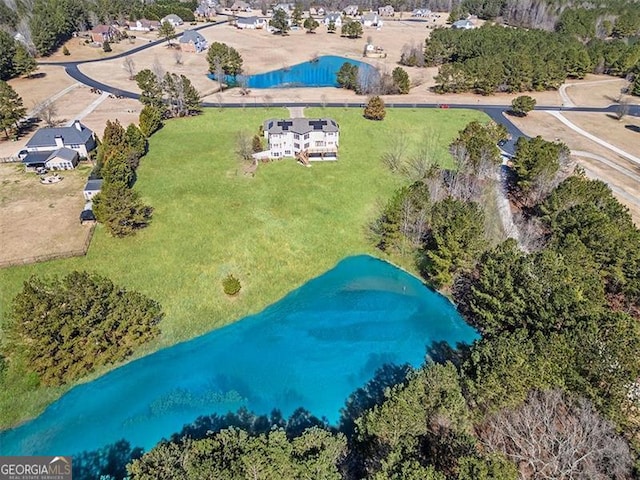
204 10
92 188
386 11
421 12
104 33
173 19
143 25
316 138
76 137
335 17
351 10
192 41
463 25
287 7
250 23
317 11
240 6
371 19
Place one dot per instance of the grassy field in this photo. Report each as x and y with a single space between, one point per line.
273 231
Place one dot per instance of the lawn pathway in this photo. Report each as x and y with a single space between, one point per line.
296 112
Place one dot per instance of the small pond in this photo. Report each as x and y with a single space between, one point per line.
311 349
320 72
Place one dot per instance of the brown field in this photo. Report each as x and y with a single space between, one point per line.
598 91
40 219
47 81
621 133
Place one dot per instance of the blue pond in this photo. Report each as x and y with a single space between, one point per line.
311 349
319 73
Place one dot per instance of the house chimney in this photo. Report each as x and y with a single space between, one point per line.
77 125
59 141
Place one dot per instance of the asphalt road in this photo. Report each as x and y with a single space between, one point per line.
497 112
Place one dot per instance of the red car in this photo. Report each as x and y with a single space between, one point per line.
443 105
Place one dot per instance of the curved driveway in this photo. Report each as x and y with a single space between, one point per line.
496 112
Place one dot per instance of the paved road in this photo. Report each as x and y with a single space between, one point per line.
496 112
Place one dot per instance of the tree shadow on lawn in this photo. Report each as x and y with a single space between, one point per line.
633 128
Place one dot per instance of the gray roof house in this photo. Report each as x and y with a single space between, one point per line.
192 41
335 17
463 24
76 137
92 188
173 19
307 139
250 23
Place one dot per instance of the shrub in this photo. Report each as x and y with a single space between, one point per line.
106 47
65 51
231 285
375 109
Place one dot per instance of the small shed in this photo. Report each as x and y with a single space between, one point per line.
87 215
92 188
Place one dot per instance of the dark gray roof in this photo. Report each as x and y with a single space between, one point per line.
191 36
93 185
35 158
300 125
247 20
333 16
87 216
65 154
45 137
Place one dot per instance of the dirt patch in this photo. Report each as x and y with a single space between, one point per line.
47 81
599 91
38 219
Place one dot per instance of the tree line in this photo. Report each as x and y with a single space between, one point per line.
497 59
65 328
47 24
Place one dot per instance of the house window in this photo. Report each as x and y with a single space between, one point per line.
287 152
75 146
306 145
306 136
296 136
296 145
320 144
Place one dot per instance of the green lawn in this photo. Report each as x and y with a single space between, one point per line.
273 231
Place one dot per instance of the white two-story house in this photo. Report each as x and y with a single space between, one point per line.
316 138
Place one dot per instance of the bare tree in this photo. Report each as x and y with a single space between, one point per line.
622 109
244 146
554 437
157 69
218 71
177 56
47 112
393 158
323 100
129 67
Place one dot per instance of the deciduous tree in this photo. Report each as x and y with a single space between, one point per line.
310 24
522 105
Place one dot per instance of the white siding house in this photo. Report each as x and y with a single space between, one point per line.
76 137
317 138
335 17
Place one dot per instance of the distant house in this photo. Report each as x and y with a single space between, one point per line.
192 41
371 19
92 188
287 7
316 138
386 11
240 6
250 23
104 33
320 11
421 12
143 25
335 17
76 137
463 25
351 10
173 19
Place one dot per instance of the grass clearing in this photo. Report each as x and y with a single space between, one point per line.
273 231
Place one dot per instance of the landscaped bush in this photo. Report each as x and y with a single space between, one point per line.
65 51
231 285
